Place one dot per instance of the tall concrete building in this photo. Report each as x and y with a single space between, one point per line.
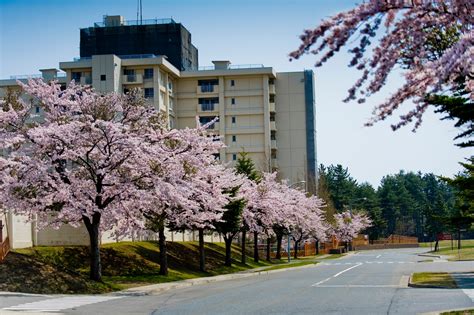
268 114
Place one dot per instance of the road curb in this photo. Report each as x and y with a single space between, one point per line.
162 287
429 255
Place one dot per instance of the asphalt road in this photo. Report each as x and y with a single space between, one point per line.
369 282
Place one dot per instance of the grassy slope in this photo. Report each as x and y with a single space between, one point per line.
126 264
465 253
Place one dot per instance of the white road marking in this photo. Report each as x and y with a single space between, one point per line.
378 256
337 263
389 262
62 303
336 275
358 286
469 293
320 282
345 270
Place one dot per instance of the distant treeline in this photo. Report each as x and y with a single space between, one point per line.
407 203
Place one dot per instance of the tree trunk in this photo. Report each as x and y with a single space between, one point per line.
162 244
255 247
295 255
228 248
244 240
459 238
269 248
436 245
317 247
202 258
279 239
93 230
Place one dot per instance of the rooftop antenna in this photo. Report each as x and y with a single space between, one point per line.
139 12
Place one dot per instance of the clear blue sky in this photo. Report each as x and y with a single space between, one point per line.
38 34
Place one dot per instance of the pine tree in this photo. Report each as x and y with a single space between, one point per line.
246 166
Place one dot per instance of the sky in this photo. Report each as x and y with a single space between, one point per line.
39 34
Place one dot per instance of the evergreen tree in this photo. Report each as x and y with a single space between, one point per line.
231 223
246 166
341 186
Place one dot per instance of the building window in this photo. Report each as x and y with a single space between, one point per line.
148 74
37 109
232 83
208 104
272 98
234 138
234 119
170 85
234 157
207 85
149 93
103 77
271 81
232 101
206 119
76 76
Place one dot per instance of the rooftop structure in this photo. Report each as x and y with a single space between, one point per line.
158 37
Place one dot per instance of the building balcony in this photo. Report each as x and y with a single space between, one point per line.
205 108
273 144
274 163
237 148
244 129
272 107
271 88
207 89
273 126
86 80
132 79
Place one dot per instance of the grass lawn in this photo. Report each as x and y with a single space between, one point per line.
434 279
124 265
465 253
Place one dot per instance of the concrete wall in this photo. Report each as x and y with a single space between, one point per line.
291 125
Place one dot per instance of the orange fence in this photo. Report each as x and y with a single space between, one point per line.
4 249
396 239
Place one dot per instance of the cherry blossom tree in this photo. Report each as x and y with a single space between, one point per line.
209 186
103 160
308 221
409 26
261 208
349 225
177 188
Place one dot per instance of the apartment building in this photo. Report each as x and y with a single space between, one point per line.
268 114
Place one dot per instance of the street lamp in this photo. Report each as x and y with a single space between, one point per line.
289 232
